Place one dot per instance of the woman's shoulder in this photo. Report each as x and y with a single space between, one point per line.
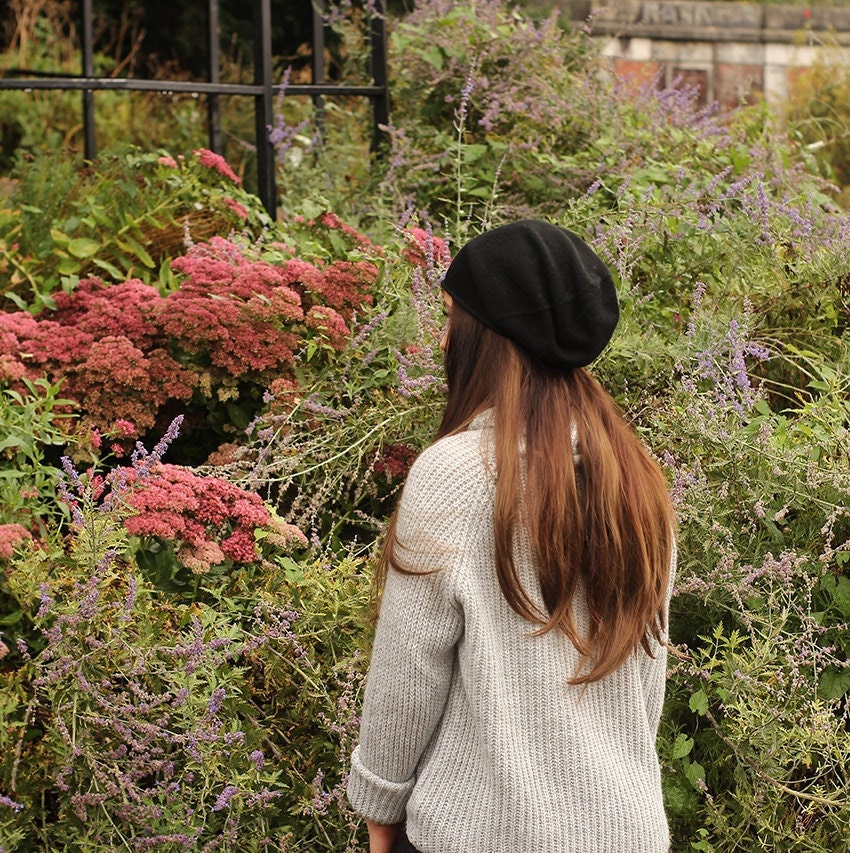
455 467
449 492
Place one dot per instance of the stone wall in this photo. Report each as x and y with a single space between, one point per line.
735 52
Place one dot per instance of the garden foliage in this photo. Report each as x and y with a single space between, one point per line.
183 647
817 114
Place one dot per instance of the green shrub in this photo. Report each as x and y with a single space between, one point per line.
126 216
753 735
486 105
143 715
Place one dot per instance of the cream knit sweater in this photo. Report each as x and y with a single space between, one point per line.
470 731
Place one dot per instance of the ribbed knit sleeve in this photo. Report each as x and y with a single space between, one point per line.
413 655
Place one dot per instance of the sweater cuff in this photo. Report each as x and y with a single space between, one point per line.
375 798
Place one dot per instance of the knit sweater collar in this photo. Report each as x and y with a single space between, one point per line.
484 420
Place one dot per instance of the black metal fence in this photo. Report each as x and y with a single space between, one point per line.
263 89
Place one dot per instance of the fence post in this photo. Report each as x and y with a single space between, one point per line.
319 58
263 105
88 71
213 101
378 69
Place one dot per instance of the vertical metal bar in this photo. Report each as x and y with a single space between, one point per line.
378 69
263 106
88 71
319 58
214 101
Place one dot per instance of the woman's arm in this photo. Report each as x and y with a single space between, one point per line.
406 690
420 623
382 836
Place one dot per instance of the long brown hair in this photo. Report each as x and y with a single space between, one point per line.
605 520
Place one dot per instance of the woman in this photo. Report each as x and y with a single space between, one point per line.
518 669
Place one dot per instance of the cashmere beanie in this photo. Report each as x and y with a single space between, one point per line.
542 287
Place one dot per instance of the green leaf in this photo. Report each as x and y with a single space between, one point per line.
338 242
656 173
292 570
110 268
59 237
698 703
83 247
473 152
128 244
834 683
682 746
69 283
434 56
695 773
238 416
310 209
11 295
838 590
13 442
68 266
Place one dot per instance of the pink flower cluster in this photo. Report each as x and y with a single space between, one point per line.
106 346
425 250
239 209
235 311
124 351
343 286
11 535
327 321
333 222
215 161
209 519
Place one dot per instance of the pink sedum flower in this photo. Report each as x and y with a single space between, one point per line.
209 520
425 250
240 210
126 429
201 558
11 535
215 161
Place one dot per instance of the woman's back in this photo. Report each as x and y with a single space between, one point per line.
503 753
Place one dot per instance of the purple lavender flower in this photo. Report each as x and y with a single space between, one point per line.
696 301
466 92
312 404
224 798
216 700
9 803
66 495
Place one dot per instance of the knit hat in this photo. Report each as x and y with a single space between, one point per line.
541 286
